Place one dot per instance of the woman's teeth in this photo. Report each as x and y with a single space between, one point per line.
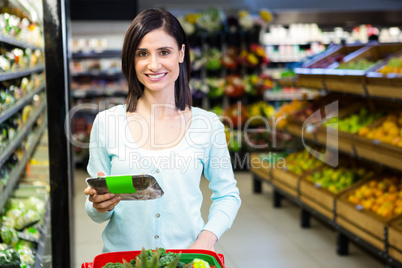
155 76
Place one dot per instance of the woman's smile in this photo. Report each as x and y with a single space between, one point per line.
156 77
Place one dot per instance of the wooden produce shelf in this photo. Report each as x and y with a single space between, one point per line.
388 86
353 81
286 180
365 224
385 154
323 200
395 238
310 81
312 73
258 167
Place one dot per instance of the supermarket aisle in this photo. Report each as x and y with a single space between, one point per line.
260 237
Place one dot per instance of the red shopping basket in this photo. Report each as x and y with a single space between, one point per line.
187 256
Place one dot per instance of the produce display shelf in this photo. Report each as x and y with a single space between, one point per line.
40 252
4 115
380 85
12 145
353 81
14 42
395 239
385 154
344 236
280 192
20 167
259 167
344 232
21 73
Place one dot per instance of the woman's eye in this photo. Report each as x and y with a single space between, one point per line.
141 54
165 52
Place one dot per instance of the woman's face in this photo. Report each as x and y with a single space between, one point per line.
157 61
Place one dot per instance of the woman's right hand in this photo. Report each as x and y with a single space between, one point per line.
103 202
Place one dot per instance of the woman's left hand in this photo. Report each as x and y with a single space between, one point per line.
206 240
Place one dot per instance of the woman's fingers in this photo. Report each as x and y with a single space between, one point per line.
107 204
100 173
89 191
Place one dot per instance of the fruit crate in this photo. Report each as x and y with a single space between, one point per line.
323 200
298 121
258 167
311 73
353 81
395 239
375 149
381 85
343 140
187 255
287 180
363 223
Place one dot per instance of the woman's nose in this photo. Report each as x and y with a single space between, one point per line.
154 64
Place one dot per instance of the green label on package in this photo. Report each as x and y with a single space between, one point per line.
120 184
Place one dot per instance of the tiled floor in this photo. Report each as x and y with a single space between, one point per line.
261 235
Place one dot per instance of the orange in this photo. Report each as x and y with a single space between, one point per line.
389 124
386 214
368 193
398 211
370 135
375 208
363 131
353 199
391 197
394 131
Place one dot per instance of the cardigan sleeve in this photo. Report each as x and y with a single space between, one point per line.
99 160
225 194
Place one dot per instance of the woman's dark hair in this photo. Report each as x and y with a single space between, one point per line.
145 22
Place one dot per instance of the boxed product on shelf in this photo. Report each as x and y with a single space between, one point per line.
311 73
321 188
349 76
386 79
367 208
395 239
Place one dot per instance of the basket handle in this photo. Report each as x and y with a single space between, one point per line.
87 265
222 258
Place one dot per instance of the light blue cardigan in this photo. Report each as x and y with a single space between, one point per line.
173 221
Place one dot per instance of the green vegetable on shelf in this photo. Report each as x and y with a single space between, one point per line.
9 257
9 235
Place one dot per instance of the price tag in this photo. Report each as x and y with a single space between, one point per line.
359 207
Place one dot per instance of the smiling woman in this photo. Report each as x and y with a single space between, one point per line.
156 124
146 22
157 61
